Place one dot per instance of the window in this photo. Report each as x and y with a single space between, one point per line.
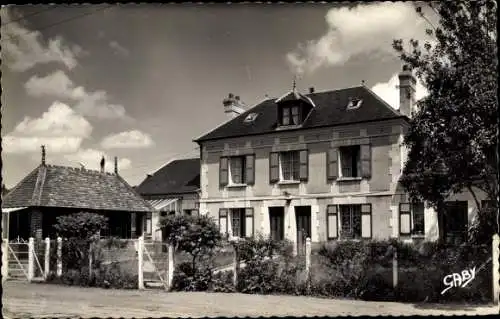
290 166
237 170
190 212
251 117
238 222
350 218
350 161
290 115
411 220
354 103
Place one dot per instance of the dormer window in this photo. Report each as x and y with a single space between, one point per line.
290 115
251 117
354 103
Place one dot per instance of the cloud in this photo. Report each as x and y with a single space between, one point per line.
60 128
130 139
22 48
59 85
119 49
91 159
365 28
389 91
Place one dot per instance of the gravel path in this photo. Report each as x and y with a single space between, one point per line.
21 300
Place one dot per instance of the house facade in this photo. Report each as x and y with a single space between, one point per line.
323 165
173 189
31 208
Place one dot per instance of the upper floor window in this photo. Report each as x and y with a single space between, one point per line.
236 170
411 219
288 166
350 163
290 115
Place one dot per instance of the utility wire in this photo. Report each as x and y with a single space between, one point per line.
59 22
29 15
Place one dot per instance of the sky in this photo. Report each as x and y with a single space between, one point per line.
140 82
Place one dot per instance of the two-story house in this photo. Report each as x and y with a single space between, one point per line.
323 165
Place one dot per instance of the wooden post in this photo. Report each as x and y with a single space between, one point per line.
308 262
47 258
394 267
171 266
31 259
59 257
140 255
496 268
90 260
236 266
5 259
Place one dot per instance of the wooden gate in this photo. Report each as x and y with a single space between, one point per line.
19 261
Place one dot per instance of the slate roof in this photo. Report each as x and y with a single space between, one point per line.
61 186
330 110
176 177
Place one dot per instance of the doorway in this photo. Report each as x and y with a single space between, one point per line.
277 222
455 222
303 221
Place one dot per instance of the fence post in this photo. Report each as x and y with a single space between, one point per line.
47 258
236 265
5 259
59 256
171 266
496 268
394 267
90 260
308 256
31 259
140 255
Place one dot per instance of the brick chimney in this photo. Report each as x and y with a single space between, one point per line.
407 88
233 106
116 165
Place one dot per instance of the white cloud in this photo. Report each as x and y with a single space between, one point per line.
91 159
119 49
130 139
366 28
88 103
389 91
22 48
60 129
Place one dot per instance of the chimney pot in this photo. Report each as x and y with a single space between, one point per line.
231 95
103 162
311 89
237 97
116 165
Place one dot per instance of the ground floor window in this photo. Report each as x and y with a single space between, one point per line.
411 219
355 221
237 222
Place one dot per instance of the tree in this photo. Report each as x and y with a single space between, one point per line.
452 138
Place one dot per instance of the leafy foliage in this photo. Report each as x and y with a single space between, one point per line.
79 231
452 139
198 236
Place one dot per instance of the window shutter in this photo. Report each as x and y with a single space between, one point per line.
404 219
366 161
250 169
332 222
223 220
249 222
304 165
223 171
274 173
366 221
331 160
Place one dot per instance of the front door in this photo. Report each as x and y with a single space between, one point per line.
303 220
277 222
455 222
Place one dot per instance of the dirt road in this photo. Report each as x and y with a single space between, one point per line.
21 300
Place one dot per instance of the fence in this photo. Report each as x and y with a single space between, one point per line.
446 272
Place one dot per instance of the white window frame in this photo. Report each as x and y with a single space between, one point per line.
341 151
281 167
340 217
243 170
242 221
